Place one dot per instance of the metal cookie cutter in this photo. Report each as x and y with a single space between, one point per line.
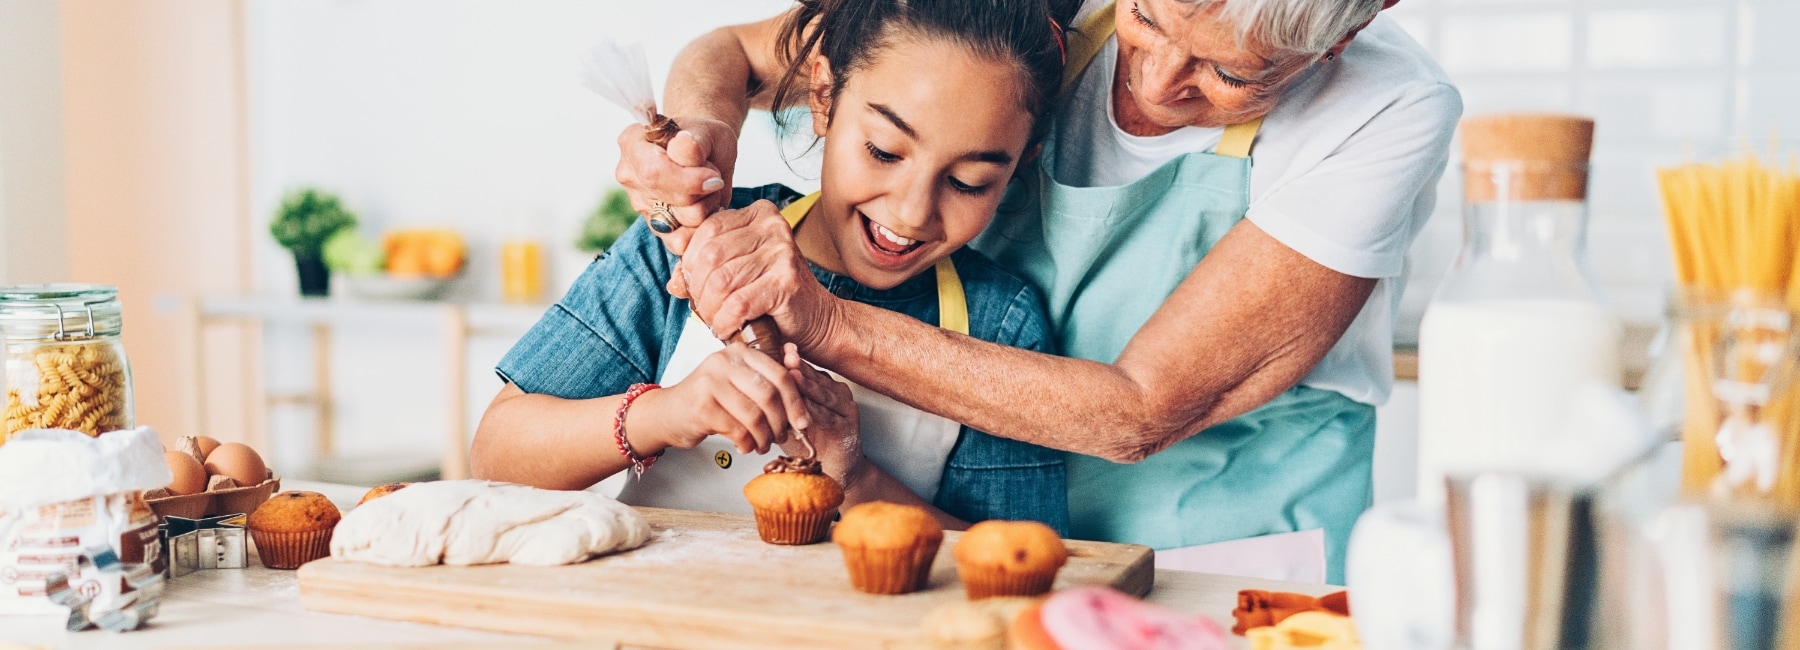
139 599
209 543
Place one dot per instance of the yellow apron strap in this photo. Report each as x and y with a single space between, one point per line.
797 210
1085 43
953 305
1235 142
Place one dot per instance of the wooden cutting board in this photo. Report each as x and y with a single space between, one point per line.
703 581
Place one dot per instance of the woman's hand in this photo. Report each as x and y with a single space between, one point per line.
742 264
836 433
738 393
693 175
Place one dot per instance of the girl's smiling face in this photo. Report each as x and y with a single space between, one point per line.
918 148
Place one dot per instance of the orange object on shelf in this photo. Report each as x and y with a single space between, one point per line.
521 271
423 253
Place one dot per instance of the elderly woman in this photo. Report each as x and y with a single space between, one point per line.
1219 222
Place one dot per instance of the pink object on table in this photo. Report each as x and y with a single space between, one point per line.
1099 618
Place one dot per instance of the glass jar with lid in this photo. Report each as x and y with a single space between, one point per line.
65 365
1520 327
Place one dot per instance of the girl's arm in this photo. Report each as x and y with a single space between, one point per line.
1249 322
569 444
553 443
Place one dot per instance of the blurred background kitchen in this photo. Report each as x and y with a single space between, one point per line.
149 143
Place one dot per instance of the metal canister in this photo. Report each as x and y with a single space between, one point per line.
1527 564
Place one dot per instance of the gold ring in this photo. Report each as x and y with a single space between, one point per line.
662 219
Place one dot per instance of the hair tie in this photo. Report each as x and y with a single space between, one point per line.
1056 31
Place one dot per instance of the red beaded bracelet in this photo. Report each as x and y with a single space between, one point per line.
639 464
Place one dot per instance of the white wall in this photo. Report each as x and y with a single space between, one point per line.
467 114
34 237
1662 78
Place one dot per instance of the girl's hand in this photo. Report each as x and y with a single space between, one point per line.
835 432
693 175
738 393
742 264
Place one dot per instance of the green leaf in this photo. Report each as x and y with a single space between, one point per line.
306 218
607 222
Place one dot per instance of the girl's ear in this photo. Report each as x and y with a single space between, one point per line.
1032 153
819 96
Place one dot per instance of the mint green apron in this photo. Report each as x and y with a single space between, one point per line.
1105 259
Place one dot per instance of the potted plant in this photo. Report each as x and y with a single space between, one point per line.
306 219
606 223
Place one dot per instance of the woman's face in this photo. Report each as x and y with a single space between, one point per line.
1184 66
917 154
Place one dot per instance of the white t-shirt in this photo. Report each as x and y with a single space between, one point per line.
1344 171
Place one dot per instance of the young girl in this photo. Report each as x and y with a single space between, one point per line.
925 109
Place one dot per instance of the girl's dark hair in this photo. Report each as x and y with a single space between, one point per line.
851 33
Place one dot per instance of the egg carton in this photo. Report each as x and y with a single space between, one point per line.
236 500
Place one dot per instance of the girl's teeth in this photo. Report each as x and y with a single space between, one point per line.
891 237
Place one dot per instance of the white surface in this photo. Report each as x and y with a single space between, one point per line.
1496 379
1297 556
34 230
239 608
1396 472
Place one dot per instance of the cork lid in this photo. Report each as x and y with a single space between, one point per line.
1544 155
1528 137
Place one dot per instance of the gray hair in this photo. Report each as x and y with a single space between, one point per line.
1298 26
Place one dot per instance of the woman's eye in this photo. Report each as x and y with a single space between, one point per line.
965 188
878 154
1139 15
1229 80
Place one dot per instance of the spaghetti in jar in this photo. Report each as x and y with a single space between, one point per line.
65 365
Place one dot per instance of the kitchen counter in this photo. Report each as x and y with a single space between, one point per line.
261 607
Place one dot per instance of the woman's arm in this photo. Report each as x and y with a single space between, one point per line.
712 86
1249 322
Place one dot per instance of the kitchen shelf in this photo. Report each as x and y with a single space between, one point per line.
454 322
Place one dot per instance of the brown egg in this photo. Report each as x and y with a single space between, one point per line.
190 478
207 445
238 461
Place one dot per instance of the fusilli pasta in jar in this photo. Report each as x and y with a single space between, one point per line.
65 367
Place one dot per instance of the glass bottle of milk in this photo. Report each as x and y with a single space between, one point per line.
1520 324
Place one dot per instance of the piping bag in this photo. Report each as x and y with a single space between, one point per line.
620 74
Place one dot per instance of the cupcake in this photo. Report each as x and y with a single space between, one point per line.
1009 558
293 528
888 547
793 502
977 624
380 491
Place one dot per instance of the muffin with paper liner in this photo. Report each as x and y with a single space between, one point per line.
293 528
